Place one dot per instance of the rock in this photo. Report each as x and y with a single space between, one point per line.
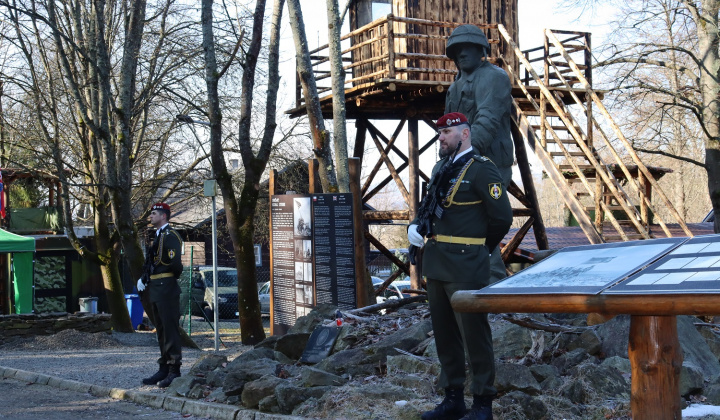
552 384
712 394
289 395
216 378
182 385
614 336
588 340
269 404
570 359
543 372
217 396
622 364
197 392
511 376
575 392
511 341
307 323
256 390
292 345
404 339
238 375
367 360
691 379
431 350
532 407
315 377
250 355
268 342
603 380
207 363
695 349
421 384
409 364
712 339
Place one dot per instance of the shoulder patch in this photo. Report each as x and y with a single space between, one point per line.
495 190
480 158
171 253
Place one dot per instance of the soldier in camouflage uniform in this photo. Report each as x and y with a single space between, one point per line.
163 266
472 216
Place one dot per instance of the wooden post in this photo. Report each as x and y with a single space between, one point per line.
271 192
314 186
656 359
362 288
414 189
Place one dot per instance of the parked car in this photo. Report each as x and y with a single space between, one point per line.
394 291
264 297
202 292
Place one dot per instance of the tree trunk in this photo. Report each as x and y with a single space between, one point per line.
251 329
338 90
312 99
708 38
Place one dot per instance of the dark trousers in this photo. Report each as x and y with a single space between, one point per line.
456 331
167 324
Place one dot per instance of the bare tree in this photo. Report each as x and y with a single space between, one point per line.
678 39
338 90
240 213
320 135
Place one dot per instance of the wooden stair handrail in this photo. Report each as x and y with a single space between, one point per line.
618 132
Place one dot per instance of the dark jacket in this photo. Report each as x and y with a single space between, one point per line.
480 208
166 266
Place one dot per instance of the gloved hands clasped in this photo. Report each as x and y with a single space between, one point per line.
140 285
414 237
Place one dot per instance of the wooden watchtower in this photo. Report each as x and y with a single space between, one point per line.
396 69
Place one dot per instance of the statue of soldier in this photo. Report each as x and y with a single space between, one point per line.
482 92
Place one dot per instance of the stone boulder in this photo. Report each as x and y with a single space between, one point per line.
240 374
256 390
512 377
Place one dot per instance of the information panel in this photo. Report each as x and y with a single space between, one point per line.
693 267
587 269
313 255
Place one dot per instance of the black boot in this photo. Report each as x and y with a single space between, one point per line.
161 374
174 373
481 408
451 408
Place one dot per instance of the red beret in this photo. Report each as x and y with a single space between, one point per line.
450 120
161 206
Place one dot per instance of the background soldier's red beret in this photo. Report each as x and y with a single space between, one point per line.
451 120
161 206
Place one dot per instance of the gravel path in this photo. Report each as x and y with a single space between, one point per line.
117 360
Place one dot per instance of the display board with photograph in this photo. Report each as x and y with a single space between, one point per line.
313 256
587 269
693 267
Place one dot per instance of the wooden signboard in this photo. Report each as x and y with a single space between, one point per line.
683 280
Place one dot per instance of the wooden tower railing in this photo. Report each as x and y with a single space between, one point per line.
563 120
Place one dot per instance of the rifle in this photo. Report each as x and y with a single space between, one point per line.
429 206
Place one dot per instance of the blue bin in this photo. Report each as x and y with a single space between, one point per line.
135 310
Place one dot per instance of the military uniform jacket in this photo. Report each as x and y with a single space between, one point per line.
480 208
485 98
166 265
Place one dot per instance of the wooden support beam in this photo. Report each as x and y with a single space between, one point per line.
414 185
362 287
514 243
386 252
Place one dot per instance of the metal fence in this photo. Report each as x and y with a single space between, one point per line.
197 304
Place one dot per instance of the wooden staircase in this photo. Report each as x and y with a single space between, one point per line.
601 179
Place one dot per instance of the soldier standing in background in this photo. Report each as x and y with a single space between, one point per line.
472 215
482 92
163 266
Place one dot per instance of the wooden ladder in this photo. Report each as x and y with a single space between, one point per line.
601 179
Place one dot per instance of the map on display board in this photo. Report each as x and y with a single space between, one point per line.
693 267
313 255
587 269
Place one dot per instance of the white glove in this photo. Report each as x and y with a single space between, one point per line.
140 285
414 237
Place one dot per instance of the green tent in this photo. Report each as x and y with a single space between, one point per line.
20 251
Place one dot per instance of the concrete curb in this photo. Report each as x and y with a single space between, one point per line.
160 401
